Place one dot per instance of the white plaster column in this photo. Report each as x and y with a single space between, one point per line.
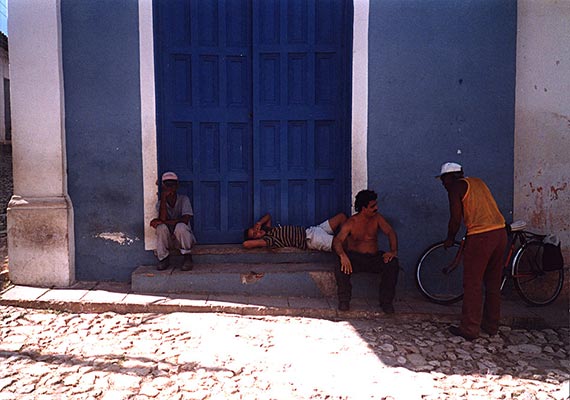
40 214
148 120
359 151
542 118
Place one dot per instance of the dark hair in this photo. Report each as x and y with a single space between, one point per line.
246 234
363 198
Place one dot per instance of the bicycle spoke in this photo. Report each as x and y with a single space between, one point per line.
434 277
536 286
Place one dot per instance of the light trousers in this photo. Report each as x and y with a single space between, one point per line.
182 238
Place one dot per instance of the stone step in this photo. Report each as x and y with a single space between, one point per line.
293 279
235 253
231 269
260 279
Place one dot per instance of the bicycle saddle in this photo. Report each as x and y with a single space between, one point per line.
518 226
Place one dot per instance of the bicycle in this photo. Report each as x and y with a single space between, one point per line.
439 271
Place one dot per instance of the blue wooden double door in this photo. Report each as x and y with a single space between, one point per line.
253 101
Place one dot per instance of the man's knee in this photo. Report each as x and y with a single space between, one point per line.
162 230
181 229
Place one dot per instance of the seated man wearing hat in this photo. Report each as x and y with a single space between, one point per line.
172 226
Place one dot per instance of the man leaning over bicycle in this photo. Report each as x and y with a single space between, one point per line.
471 200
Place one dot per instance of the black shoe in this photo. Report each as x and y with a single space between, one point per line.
343 305
188 263
388 308
454 330
163 264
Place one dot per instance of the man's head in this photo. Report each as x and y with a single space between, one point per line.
450 172
169 181
366 199
253 233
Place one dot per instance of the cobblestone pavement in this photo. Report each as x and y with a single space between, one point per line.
54 355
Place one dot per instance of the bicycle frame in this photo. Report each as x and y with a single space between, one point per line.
520 236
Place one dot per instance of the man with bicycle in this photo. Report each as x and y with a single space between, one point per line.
471 200
359 236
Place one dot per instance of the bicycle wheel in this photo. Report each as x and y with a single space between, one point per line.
432 282
536 286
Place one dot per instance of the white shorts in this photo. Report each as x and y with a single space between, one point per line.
320 237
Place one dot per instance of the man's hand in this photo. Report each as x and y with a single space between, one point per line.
389 256
345 265
155 222
448 243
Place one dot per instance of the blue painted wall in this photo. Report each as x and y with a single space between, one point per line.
441 88
103 134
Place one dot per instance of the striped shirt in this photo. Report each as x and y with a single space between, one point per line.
286 236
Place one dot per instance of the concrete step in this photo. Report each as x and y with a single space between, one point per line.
235 253
230 269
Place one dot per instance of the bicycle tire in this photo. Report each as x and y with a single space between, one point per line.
436 286
535 286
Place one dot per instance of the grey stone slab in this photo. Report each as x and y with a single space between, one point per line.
133 298
186 299
220 299
104 296
25 293
269 301
65 295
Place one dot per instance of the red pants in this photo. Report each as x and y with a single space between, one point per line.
483 263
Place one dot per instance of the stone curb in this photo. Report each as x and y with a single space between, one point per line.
251 310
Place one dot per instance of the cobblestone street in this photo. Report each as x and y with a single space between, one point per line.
48 355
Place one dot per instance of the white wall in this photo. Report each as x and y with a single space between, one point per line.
542 118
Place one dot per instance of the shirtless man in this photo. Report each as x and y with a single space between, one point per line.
357 249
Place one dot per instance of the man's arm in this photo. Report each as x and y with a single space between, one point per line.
338 242
162 210
455 194
263 221
254 243
387 229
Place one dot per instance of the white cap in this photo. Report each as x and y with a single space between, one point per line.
169 176
450 167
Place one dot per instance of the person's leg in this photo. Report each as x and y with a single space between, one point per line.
388 282
492 279
343 285
184 238
477 252
343 281
336 221
318 237
162 241
163 244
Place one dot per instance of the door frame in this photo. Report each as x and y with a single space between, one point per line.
359 108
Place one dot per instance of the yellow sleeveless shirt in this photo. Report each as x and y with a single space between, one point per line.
480 211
